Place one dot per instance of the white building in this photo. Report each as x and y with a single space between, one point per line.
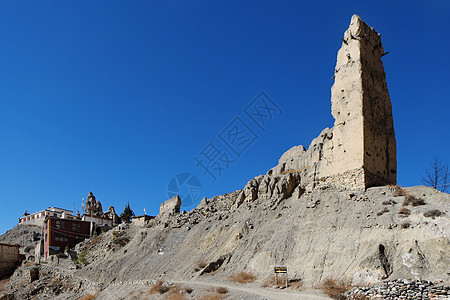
98 221
37 218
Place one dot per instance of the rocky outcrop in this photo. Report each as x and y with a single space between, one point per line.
274 187
93 206
360 150
111 214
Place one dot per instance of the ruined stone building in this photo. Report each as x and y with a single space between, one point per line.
360 150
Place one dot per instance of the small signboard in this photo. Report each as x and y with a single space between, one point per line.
280 270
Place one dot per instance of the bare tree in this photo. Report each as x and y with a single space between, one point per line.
437 174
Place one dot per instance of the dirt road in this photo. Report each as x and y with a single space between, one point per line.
250 292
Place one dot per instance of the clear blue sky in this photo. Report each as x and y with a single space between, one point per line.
117 97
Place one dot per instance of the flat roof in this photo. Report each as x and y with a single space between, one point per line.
59 208
47 209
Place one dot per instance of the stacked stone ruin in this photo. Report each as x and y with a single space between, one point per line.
360 150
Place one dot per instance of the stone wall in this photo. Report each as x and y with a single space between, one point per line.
9 256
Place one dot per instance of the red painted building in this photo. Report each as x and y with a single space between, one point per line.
60 233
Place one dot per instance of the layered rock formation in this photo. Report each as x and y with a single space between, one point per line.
360 150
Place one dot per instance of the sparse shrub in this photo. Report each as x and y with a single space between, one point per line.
385 210
335 289
81 259
413 201
432 213
405 225
404 212
121 240
222 290
398 191
93 241
296 284
418 201
189 290
159 287
242 277
389 202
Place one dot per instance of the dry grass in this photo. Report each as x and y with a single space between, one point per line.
211 297
176 297
159 287
334 288
295 284
404 212
242 277
88 297
176 293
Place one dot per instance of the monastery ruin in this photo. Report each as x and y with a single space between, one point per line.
360 150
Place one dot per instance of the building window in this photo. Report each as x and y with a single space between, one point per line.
60 224
61 237
45 237
76 227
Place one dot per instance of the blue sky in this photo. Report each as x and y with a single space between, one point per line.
118 97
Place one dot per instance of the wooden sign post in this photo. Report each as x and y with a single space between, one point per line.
280 270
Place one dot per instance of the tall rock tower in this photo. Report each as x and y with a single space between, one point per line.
364 127
360 150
